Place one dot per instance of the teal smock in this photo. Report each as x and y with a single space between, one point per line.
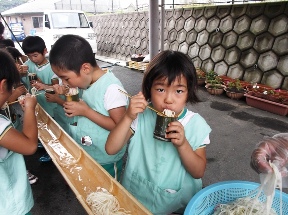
94 98
63 120
44 73
15 191
154 173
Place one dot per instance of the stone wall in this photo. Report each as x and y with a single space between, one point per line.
247 41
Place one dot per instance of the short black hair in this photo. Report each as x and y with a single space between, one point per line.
2 28
70 52
171 64
14 52
33 44
8 69
6 43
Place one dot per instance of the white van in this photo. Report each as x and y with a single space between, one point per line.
57 23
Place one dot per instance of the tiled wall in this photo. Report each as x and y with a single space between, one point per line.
247 41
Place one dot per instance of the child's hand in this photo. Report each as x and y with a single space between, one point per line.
60 89
38 85
75 108
51 97
20 91
175 132
137 105
28 102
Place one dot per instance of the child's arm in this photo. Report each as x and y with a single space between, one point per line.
119 136
24 142
54 98
16 93
82 109
193 161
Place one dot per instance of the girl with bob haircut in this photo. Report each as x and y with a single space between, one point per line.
162 175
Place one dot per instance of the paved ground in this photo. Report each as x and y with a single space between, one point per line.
236 129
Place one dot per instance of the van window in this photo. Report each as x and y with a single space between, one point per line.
37 21
69 20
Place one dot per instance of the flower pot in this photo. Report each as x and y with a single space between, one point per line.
234 95
215 91
267 105
200 81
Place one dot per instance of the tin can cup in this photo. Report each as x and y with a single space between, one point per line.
70 98
24 68
32 76
54 81
50 91
161 126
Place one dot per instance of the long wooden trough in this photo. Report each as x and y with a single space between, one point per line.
80 170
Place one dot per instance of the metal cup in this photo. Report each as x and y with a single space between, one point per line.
32 76
161 126
70 98
50 90
24 68
54 81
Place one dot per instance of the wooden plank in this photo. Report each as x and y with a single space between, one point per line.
82 173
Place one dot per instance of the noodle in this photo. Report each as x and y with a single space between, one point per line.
169 113
72 92
251 205
104 203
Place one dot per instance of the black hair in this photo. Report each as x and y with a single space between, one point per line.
14 52
2 28
8 69
33 44
171 64
70 52
6 43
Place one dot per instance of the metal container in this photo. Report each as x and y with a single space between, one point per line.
161 126
32 76
50 90
70 98
54 81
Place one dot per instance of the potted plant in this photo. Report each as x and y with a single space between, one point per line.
215 86
211 76
234 89
266 98
201 76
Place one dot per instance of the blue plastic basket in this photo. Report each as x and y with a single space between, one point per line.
204 202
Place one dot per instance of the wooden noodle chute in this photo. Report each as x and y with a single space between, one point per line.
83 174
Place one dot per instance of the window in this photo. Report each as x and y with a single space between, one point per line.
37 22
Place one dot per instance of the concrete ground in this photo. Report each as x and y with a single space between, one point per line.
236 129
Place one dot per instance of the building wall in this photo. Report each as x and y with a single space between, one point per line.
26 20
247 41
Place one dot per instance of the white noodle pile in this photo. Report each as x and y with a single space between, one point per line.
251 205
169 113
104 203
72 92
34 91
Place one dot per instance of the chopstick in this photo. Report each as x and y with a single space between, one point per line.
10 103
128 95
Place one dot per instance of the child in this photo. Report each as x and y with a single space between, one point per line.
16 195
34 47
163 176
102 105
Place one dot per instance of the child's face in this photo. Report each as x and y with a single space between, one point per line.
171 97
71 79
37 58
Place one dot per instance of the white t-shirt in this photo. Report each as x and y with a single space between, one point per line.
113 98
4 127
